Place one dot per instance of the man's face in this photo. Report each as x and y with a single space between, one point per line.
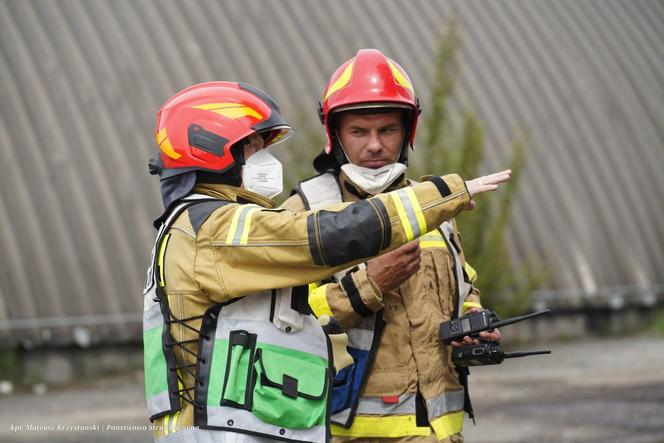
371 140
252 145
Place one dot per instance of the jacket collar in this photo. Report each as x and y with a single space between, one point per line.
234 194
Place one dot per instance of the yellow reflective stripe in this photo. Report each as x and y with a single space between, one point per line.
233 228
247 226
231 110
160 260
470 304
382 426
421 222
342 81
448 424
433 239
472 273
400 77
238 233
167 423
171 426
424 244
402 215
318 300
165 145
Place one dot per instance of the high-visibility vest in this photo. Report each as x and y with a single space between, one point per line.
263 367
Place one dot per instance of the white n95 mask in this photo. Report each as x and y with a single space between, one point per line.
373 181
263 174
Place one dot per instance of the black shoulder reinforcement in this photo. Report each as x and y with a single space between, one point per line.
361 230
199 212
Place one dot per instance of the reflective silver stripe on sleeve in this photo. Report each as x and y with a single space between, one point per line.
410 212
245 210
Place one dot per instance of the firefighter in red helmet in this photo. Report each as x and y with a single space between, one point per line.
232 352
402 385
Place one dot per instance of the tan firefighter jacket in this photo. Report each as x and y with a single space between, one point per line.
407 360
245 247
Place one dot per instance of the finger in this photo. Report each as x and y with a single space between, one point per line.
496 177
455 344
411 268
505 172
411 246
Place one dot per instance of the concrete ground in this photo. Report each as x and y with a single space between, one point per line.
599 391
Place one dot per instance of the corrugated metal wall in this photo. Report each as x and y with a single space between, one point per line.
81 81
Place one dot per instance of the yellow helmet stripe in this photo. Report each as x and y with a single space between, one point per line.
165 145
400 77
230 110
342 81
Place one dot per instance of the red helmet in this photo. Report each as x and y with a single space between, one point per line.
369 80
197 127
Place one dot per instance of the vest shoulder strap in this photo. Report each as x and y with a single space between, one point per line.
320 190
209 204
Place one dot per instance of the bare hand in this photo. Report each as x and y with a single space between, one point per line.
493 335
389 270
486 183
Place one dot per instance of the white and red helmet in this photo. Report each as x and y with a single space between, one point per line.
367 81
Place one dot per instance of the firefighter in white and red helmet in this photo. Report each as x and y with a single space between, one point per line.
402 385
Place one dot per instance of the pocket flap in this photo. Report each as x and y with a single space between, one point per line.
295 373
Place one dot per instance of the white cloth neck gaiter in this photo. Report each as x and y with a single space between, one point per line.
373 181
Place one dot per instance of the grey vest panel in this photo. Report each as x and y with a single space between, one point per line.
210 436
274 323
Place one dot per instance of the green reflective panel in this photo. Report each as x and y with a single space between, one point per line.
217 372
154 362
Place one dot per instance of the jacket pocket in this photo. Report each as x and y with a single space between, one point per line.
291 388
236 391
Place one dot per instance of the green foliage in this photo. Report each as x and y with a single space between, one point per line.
458 146
9 364
656 325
